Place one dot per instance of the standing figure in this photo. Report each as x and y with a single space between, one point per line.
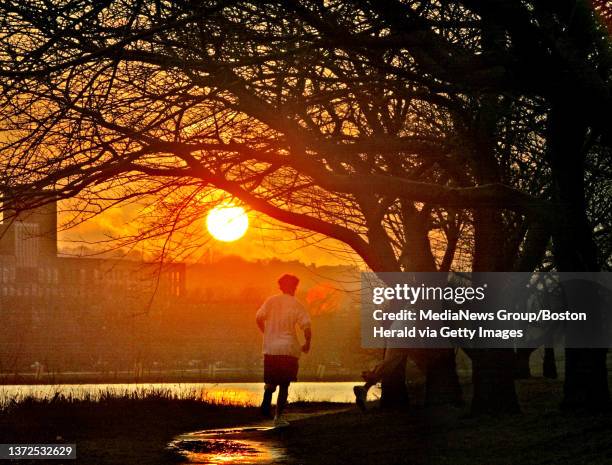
277 319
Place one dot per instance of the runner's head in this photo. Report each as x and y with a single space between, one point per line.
288 283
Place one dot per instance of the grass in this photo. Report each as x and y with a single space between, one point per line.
121 428
133 427
142 393
541 434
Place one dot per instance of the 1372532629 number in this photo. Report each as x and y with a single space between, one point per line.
32 451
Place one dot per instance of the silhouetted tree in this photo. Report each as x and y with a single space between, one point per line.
389 126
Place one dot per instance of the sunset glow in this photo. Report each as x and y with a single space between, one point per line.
227 223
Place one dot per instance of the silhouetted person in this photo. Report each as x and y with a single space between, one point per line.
392 358
277 319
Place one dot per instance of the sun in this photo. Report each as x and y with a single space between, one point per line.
227 222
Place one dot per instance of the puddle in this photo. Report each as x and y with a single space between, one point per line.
243 445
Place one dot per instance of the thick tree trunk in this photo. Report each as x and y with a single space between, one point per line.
492 369
438 365
394 391
586 381
493 380
549 364
522 370
442 383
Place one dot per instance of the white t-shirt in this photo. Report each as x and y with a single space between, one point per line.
281 313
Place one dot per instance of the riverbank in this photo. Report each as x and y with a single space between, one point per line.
179 376
125 430
135 429
114 431
218 393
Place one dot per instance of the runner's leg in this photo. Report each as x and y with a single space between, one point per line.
281 401
266 404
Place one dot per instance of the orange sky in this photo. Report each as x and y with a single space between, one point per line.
263 240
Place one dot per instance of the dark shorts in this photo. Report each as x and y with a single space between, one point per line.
280 369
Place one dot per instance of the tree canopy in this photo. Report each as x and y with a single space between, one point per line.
333 117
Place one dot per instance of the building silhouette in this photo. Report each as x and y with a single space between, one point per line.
64 307
31 266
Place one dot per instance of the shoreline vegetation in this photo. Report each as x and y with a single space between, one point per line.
131 428
154 377
136 427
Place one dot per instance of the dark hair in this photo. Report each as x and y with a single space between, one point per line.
288 283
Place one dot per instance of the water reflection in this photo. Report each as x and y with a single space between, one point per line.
229 446
231 395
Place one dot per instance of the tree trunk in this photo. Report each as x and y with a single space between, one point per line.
442 383
394 391
522 370
549 365
492 369
493 380
586 381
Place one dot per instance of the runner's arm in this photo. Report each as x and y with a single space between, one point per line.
261 323
308 337
260 316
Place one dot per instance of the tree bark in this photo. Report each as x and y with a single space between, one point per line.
586 381
394 391
492 369
442 383
549 364
522 370
494 391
